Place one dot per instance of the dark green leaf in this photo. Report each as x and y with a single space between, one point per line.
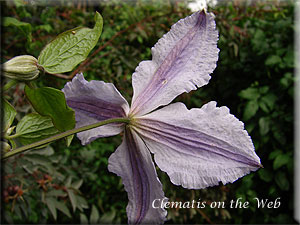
34 127
63 208
45 27
70 48
281 160
51 102
286 80
9 114
82 202
265 175
282 181
94 215
40 160
263 90
68 181
269 100
83 219
264 125
72 198
250 109
274 154
264 107
51 205
77 184
24 27
108 217
250 93
56 193
273 60
289 59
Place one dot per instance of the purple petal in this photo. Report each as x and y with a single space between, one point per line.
132 161
198 147
93 102
182 61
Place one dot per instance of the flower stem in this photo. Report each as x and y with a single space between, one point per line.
62 135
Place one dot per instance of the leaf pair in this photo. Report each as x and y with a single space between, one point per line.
61 55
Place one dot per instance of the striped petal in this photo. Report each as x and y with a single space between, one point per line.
93 102
181 61
133 163
198 148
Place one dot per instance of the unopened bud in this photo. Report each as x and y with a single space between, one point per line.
10 130
23 68
5 146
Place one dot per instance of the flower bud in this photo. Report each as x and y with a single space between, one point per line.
5 146
23 68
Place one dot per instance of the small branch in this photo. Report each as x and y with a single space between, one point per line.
59 75
62 135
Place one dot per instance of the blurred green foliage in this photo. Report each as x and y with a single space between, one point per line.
254 78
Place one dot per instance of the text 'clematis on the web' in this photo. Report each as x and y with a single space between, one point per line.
197 148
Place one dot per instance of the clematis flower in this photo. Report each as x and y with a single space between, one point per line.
197 148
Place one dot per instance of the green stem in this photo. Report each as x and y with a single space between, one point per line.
9 84
12 136
62 135
31 85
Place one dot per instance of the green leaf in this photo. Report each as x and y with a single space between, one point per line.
83 219
289 59
269 100
264 125
273 60
282 181
286 80
45 27
9 114
274 154
265 175
36 159
68 181
63 208
51 102
250 109
263 89
51 205
82 202
34 127
24 27
250 93
94 215
77 184
280 160
47 151
69 140
18 3
72 198
108 217
70 48
264 107
56 193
